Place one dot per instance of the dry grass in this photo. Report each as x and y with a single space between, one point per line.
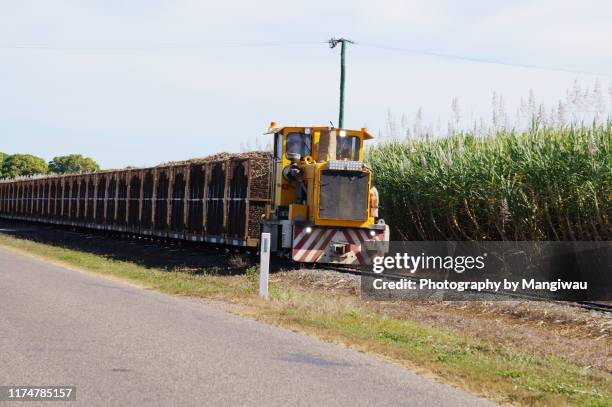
544 329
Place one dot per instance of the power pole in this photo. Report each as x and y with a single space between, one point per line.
332 44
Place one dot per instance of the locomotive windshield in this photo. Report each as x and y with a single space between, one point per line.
347 148
299 143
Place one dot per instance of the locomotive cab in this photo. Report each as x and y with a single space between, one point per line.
324 207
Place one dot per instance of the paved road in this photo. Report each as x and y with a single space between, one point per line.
125 346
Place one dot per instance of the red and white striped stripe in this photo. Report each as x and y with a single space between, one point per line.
312 247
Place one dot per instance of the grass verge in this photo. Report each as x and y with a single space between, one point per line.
503 374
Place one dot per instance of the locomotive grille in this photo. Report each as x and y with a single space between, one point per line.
344 195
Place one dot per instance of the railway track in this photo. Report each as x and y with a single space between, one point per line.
591 305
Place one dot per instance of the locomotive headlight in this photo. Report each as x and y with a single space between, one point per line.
308 229
342 133
372 233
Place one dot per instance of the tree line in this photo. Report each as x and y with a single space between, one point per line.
16 165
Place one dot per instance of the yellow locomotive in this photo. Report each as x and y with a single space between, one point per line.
324 208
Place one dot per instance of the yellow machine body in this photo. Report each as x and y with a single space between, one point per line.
312 165
323 206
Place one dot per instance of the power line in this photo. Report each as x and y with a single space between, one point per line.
152 47
481 60
197 46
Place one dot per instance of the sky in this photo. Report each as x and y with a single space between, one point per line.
142 82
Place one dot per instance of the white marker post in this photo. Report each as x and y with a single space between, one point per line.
264 265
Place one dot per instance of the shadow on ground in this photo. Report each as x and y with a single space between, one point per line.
170 255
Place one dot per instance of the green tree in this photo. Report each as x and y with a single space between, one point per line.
2 157
73 163
23 164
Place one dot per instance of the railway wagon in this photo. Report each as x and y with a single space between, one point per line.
313 194
218 199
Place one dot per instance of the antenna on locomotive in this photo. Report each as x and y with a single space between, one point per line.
332 44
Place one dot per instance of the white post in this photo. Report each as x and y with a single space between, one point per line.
264 265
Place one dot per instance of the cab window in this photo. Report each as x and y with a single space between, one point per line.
299 143
347 148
